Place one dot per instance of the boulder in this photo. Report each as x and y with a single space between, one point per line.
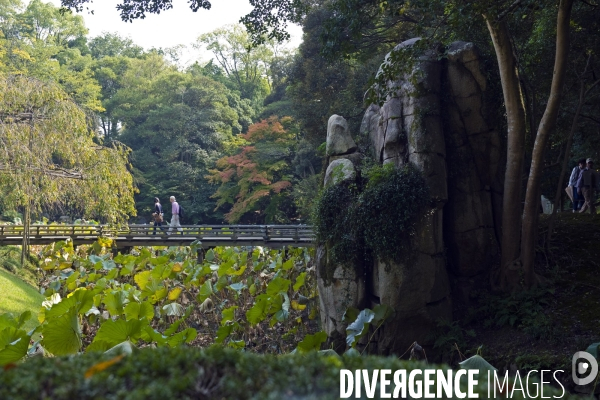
339 170
407 128
340 287
339 140
355 158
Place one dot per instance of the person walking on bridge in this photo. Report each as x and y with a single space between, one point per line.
157 215
175 215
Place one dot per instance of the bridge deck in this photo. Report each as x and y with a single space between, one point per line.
146 235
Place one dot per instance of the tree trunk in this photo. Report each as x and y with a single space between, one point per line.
515 114
25 242
547 124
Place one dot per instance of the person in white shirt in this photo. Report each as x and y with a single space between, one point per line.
174 216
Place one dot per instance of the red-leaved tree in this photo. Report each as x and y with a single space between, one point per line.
256 181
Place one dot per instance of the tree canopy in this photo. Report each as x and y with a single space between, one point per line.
255 180
49 159
177 124
268 19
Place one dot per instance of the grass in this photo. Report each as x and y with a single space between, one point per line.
18 296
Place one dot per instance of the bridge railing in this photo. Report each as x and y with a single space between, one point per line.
52 230
231 232
265 232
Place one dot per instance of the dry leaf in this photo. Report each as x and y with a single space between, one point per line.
94 369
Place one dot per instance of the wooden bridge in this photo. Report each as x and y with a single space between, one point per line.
147 235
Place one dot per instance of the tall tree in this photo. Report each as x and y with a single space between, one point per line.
246 66
39 41
177 124
49 159
112 45
320 86
547 125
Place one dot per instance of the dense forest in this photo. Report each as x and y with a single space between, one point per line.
190 128
240 138
221 135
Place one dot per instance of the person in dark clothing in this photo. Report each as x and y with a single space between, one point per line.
157 215
587 184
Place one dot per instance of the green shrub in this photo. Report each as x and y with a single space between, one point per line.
186 373
379 219
10 260
12 216
525 310
335 223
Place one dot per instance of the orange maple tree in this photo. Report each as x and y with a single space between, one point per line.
256 179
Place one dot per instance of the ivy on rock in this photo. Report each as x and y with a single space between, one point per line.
374 216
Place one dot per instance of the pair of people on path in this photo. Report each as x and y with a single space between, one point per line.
584 181
158 215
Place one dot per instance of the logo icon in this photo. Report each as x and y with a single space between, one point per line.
584 368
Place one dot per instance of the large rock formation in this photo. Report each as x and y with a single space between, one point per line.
473 147
408 129
339 287
434 120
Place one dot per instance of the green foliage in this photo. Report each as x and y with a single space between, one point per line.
41 42
320 86
303 193
334 223
380 219
245 66
448 336
10 261
14 343
14 340
51 158
112 45
477 362
312 342
95 302
62 334
211 373
359 322
390 206
359 327
12 216
525 310
178 124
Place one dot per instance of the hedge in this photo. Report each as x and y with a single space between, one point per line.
188 373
